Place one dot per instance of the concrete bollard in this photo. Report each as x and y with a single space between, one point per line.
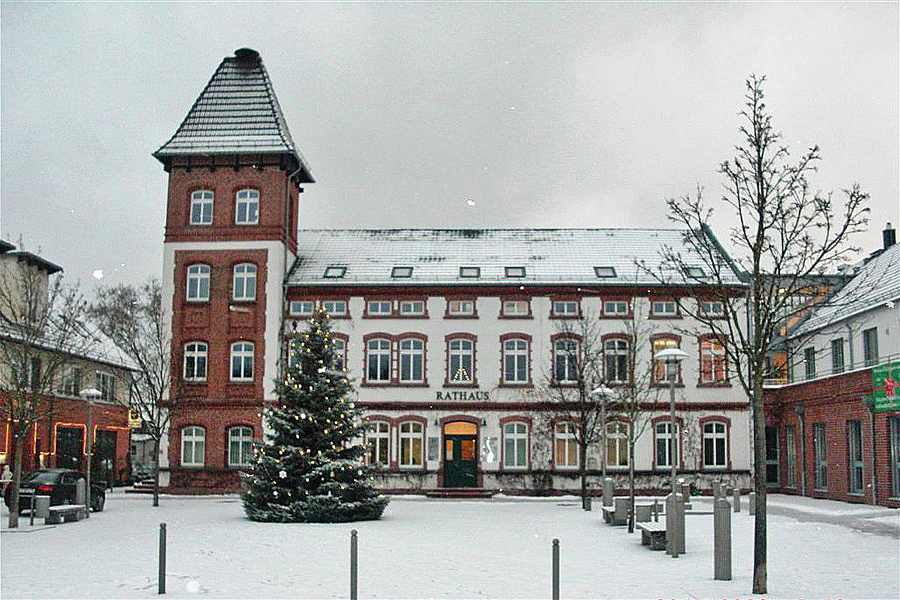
722 540
608 491
685 490
42 506
588 501
752 503
674 525
79 492
161 584
555 569
354 570
736 499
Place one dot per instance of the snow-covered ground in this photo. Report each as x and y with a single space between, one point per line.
496 548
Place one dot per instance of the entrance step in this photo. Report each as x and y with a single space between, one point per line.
460 493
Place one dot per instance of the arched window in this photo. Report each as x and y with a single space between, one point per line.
617 444
666 444
378 360
515 361
411 444
713 362
246 209
566 445
195 361
515 446
201 207
412 361
565 360
715 445
243 282
198 283
460 361
242 361
616 360
193 446
378 439
240 446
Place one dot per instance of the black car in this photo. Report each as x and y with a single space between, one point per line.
59 484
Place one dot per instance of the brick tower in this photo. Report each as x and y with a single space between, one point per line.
231 229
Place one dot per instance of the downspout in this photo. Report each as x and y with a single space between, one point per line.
870 404
850 344
801 417
287 268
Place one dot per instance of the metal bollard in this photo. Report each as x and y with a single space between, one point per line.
555 569
162 559
31 511
655 511
608 491
353 565
752 503
737 500
722 540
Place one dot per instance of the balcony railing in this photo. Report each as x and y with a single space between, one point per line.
804 377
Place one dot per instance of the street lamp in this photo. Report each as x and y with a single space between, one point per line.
671 357
90 395
604 392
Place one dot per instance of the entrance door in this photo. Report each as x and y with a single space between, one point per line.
69 447
460 454
105 456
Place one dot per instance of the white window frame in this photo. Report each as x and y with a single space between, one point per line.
383 349
248 201
194 436
611 308
663 435
340 353
106 383
410 431
461 308
331 307
660 308
412 308
564 433
243 277
379 308
378 441
706 307
298 308
70 378
195 354
242 351
240 437
197 289
565 308
202 199
714 351
515 432
411 351
512 349
613 350
716 431
516 308
458 349
617 444
569 361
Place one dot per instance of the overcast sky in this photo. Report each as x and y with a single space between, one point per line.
576 115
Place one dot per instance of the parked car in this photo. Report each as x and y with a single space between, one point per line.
59 484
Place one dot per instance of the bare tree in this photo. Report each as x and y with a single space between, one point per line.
41 330
787 233
133 318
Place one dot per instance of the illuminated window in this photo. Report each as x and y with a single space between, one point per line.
665 370
713 362
566 445
411 444
378 439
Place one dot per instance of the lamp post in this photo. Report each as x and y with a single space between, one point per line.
671 357
604 393
90 395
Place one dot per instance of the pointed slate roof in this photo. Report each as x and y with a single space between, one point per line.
237 113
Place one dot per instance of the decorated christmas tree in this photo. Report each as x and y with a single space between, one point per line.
310 466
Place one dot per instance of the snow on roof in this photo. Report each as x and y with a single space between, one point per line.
876 283
236 113
438 256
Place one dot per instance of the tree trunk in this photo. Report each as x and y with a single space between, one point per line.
631 482
156 473
16 481
759 484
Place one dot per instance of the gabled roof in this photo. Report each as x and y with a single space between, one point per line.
549 256
236 113
876 283
35 261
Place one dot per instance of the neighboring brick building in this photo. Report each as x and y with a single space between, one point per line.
825 437
445 332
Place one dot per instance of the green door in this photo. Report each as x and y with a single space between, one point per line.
459 461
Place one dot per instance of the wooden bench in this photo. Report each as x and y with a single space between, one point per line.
653 535
64 512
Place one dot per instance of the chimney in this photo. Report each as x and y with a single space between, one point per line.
889 236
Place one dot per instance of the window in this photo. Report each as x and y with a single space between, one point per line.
821 456
401 272
246 211
713 362
566 445
198 283
469 272
694 272
106 383
565 308
516 308
665 370
712 309
461 361
379 308
335 272
514 271
615 308
894 423
565 361
410 308
855 451
242 361
378 439
193 446
515 361
809 359
617 444
460 308
790 453
515 446
715 445
412 361
664 308
69 381
335 308
773 464
240 446
615 353
604 272
837 355
870 346
201 207
411 444
340 353
302 308
666 448
378 360
244 282
195 361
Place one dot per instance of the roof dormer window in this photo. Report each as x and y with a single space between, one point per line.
401 272
335 272
605 272
514 271
694 272
469 272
